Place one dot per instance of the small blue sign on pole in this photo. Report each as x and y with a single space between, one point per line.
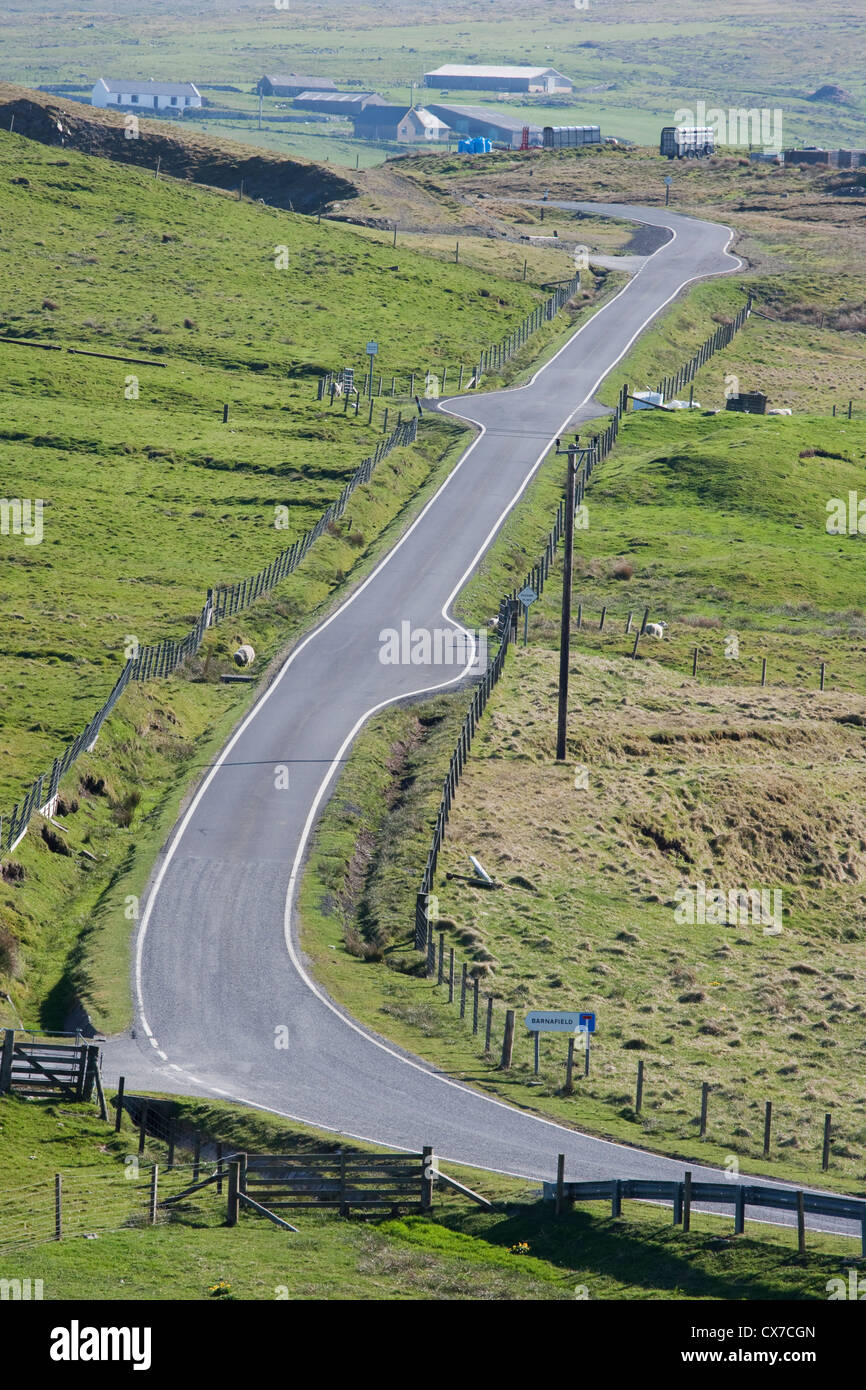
586 1023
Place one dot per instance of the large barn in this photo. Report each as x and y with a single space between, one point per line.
291 84
146 95
471 77
348 104
481 120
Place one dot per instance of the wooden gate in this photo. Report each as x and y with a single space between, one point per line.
30 1068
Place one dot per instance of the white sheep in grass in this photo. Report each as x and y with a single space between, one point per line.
655 629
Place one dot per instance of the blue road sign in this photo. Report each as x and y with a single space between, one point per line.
586 1023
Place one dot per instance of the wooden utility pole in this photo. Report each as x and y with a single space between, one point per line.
565 624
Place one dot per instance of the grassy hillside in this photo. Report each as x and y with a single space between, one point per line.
150 498
518 1251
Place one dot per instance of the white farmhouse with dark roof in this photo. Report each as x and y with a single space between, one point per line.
136 95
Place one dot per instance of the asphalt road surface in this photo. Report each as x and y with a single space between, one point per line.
218 967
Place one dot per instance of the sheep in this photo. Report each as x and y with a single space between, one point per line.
655 629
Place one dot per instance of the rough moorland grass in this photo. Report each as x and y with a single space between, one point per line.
457 1253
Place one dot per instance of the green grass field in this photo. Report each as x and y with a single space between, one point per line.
518 1251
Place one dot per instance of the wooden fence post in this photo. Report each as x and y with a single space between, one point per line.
142 1128
687 1200
121 1087
507 1041
569 1068
441 974
705 1091
463 990
695 662
475 987
616 1198
58 1207
344 1196
6 1061
638 1100
560 1183
823 669
233 1197
489 1024
825 1156
768 1120
451 975
801 1224
764 671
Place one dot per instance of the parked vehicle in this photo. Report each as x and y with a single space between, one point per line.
687 141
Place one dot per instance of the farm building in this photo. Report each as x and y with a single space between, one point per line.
483 79
481 120
147 96
348 104
292 84
404 125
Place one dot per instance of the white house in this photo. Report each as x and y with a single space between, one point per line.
135 95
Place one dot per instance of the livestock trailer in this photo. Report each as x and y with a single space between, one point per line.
687 141
561 137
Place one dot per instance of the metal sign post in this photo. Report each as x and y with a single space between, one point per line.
527 596
668 182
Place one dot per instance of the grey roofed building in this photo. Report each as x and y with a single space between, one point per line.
483 120
402 124
291 84
338 103
499 79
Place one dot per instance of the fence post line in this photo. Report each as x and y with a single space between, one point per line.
451 975
142 1127
705 1091
695 662
764 671
489 1024
638 1100
121 1086
154 1193
58 1206
687 1200
475 987
825 1154
441 973
463 990
768 1121
560 1183
801 1224
507 1041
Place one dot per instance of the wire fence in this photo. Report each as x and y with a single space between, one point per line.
365 382
165 657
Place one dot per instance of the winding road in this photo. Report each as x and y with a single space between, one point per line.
217 964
